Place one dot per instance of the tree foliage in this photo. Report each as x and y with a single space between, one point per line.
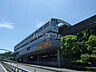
2 57
83 44
69 45
8 53
91 43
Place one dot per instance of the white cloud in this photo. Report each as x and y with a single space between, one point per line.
8 25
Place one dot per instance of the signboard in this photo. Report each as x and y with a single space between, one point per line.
44 45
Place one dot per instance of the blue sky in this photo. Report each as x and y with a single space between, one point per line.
19 18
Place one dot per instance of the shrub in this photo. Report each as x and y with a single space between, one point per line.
69 45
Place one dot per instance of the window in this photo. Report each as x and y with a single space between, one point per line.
28 48
41 29
54 22
36 32
46 25
31 35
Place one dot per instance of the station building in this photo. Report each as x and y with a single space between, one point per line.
43 45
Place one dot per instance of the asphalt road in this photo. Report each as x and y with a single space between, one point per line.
2 69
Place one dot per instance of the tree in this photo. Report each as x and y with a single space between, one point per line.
2 57
91 43
90 56
81 47
8 53
69 45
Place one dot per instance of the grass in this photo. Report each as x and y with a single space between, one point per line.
91 68
81 68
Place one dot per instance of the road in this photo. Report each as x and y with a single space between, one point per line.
2 69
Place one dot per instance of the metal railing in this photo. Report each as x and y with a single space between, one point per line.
12 68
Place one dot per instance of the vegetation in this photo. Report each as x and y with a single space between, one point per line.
4 57
80 49
8 53
69 45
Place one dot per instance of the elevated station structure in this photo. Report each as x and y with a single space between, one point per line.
44 41
43 45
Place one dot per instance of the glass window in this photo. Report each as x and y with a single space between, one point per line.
31 35
28 48
54 22
41 29
46 25
36 32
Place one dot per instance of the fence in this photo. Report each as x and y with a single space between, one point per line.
12 68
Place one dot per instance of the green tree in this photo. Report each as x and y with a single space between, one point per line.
8 53
69 45
90 56
2 57
91 43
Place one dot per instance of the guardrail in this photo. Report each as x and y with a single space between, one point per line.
12 68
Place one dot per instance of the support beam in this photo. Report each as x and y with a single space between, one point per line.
18 59
38 58
26 60
21 59
59 57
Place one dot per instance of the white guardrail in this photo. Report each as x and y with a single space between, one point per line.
12 68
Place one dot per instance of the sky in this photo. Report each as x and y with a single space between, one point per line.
19 18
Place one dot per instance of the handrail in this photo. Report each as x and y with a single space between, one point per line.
14 68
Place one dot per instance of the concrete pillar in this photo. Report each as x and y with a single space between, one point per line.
29 59
18 59
26 59
59 55
38 59
21 59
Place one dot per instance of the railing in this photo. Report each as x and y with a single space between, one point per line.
12 68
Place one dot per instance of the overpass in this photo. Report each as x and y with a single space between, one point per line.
6 55
6 50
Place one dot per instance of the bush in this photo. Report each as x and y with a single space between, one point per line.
91 43
91 68
85 57
69 45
